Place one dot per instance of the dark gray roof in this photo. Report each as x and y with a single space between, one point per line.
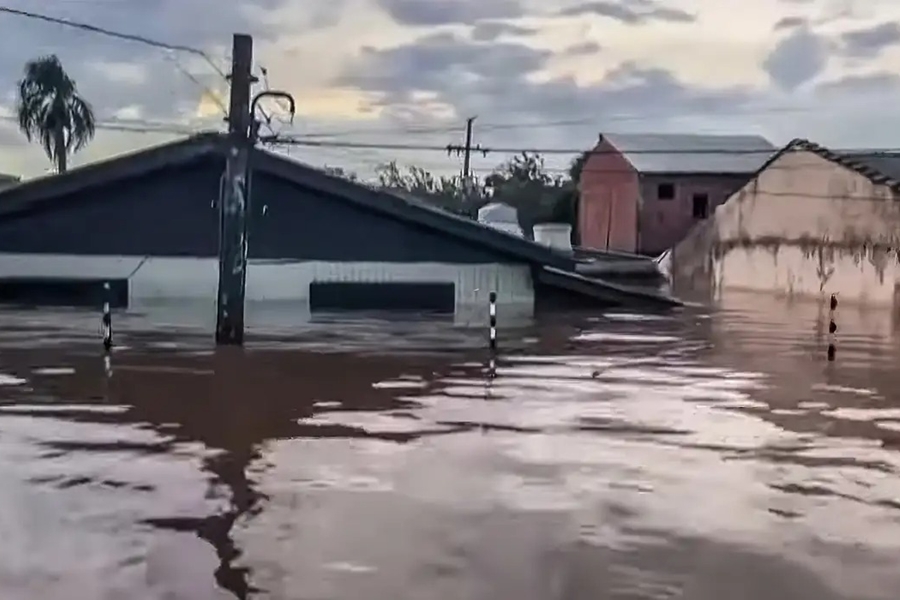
886 163
42 191
882 168
692 154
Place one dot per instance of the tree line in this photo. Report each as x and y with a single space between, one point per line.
523 182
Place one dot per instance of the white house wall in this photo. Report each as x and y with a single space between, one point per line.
154 282
806 227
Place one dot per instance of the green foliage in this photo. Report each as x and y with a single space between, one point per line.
450 193
50 110
522 182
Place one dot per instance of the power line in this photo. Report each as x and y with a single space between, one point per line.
211 94
293 141
396 130
624 117
135 126
115 34
598 123
758 192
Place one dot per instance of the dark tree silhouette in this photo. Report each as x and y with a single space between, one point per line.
51 111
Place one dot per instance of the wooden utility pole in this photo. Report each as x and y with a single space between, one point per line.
466 152
234 200
467 159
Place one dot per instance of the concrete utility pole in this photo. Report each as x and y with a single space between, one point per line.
234 199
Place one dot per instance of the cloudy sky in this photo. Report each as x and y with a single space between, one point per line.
537 74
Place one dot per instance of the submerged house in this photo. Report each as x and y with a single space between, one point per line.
148 223
644 192
811 223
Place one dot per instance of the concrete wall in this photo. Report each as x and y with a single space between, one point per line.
806 227
664 223
608 201
171 284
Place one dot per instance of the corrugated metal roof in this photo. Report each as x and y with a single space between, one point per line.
886 163
688 153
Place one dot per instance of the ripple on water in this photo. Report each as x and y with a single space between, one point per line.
700 455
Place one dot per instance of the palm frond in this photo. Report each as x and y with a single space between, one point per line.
80 124
49 103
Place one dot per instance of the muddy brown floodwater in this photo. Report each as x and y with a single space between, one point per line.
706 455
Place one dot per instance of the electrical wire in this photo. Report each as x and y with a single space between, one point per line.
139 39
116 34
136 126
293 141
598 123
625 117
211 94
396 130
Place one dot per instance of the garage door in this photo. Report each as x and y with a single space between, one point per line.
59 291
359 296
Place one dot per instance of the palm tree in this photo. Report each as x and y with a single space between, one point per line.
51 111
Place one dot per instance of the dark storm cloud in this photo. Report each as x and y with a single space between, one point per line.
488 31
790 23
446 12
206 24
494 79
870 42
441 61
873 84
635 12
583 49
796 59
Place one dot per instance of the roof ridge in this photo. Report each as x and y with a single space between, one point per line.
867 171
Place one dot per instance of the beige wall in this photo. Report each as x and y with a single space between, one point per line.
806 227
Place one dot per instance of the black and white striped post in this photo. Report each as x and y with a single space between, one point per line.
106 322
492 298
832 329
492 335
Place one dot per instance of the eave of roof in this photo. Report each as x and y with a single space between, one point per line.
34 193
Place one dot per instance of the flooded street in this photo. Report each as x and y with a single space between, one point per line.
703 455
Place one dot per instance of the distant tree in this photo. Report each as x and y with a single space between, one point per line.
566 210
50 110
342 173
450 193
524 183
576 167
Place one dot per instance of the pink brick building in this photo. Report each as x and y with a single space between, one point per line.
644 192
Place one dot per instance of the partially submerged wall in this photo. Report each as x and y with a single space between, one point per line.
805 227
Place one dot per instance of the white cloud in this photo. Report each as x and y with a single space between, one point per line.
310 46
